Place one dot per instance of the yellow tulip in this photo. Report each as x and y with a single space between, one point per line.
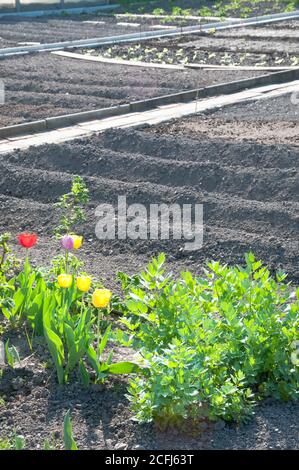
65 280
101 298
77 241
84 283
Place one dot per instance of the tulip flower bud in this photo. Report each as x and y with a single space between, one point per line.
27 240
101 298
67 242
77 241
65 280
83 283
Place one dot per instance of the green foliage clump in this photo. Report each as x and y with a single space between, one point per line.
8 264
8 261
212 345
71 206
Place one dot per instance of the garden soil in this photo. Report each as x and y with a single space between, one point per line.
44 85
244 171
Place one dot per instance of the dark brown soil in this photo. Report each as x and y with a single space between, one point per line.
44 85
55 29
249 187
35 407
270 121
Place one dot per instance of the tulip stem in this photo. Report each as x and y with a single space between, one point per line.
98 338
66 260
63 302
23 312
82 304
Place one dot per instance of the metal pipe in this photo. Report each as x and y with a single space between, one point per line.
18 5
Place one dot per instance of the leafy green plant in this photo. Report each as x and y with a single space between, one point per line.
8 262
69 442
216 343
72 206
5 444
159 12
19 442
204 11
12 355
68 438
68 337
71 336
23 289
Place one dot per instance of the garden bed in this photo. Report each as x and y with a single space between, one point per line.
223 8
64 28
35 406
258 47
245 172
42 85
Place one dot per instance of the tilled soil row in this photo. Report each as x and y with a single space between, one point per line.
169 171
57 29
274 122
44 85
245 207
86 26
271 122
222 240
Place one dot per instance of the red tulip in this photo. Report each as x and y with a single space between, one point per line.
27 240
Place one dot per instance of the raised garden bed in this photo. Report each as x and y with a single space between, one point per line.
258 47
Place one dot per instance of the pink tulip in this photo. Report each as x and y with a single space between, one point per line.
67 242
